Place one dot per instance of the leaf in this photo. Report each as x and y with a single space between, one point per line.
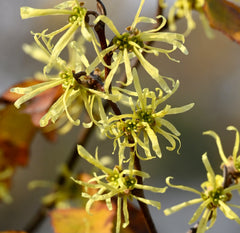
224 16
16 134
78 220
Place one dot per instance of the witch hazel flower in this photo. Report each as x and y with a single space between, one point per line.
116 182
232 162
79 89
133 43
184 8
146 120
76 14
213 196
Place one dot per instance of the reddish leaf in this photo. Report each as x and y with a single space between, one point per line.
16 134
78 220
224 16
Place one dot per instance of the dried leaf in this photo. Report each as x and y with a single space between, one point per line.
78 220
224 16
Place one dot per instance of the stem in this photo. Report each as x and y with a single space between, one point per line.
100 30
37 219
144 207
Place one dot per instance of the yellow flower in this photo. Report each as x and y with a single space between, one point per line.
61 196
76 18
184 8
79 89
212 197
115 182
231 162
133 42
145 120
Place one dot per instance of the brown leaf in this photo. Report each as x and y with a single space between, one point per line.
16 134
78 220
224 16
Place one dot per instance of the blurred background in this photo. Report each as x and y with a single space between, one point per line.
209 76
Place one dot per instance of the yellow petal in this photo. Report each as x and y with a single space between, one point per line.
108 22
184 188
180 206
29 12
219 144
236 145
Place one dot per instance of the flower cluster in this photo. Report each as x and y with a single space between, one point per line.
79 89
145 120
84 84
118 183
213 196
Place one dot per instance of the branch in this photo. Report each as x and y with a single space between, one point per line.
144 207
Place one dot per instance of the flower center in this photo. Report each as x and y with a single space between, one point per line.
113 178
130 126
146 116
216 196
130 182
79 14
68 80
124 41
